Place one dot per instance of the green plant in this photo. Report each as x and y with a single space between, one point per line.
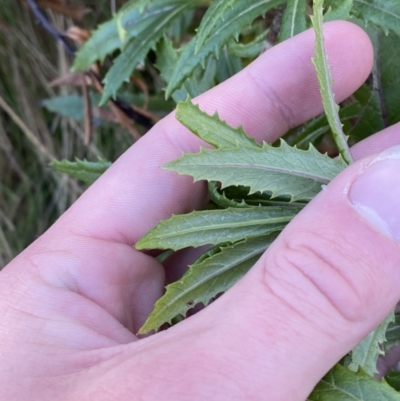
248 209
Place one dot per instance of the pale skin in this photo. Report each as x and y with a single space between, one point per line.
71 303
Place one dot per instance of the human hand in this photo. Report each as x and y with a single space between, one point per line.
71 303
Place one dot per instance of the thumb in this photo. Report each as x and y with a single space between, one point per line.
329 279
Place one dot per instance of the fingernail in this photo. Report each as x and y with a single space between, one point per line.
376 193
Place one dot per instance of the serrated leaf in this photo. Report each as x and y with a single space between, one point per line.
167 57
278 171
138 47
248 50
383 13
323 70
238 197
211 129
82 169
221 200
212 16
104 40
207 278
211 227
344 385
294 19
234 19
339 10
366 354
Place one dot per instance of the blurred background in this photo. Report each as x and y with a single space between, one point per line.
41 120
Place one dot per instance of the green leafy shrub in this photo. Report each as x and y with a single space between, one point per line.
273 182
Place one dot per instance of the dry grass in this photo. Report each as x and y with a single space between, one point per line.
32 196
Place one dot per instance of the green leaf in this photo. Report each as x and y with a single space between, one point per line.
383 13
237 197
370 118
103 41
319 126
138 47
211 227
82 169
213 15
366 354
340 10
392 335
207 278
248 50
388 70
325 82
294 19
393 379
278 171
211 129
234 19
71 106
227 65
344 385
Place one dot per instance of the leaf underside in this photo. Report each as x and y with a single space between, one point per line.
211 128
344 385
212 227
206 279
324 76
366 354
278 171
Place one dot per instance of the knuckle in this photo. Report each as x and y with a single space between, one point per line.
319 271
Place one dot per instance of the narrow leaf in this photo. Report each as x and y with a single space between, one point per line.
383 13
211 128
241 14
103 41
207 278
248 50
213 15
167 58
82 169
294 19
278 171
344 385
325 81
237 197
138 47
366 354
211 227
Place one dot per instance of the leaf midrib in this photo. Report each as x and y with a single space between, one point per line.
239 16
216 273
322 180
296 4
216 226
377 8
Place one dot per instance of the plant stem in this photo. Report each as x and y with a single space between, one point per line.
325 82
